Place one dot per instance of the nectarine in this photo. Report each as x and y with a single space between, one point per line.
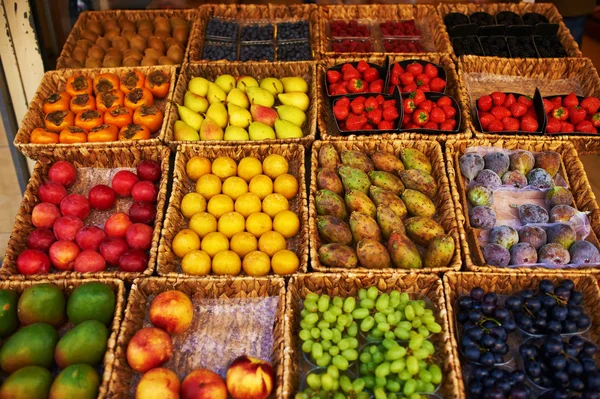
44 215
142 212
52 192
102 197
117 224
112 248
75 205
41 239
66 227
172 311
89 261
144 191
250 378
158 383
134 260
149 348
63 254
148 170
139 236
123 181
33 261
203 384
63 172
90 237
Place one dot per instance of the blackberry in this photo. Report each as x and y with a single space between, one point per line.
549 47
219 51
521 47
255 32
494 46
467 46
455 18
533 18
257 52
294 52
293 30
219 28
482 19
508 18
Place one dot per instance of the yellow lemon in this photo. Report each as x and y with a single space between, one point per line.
196 263
243 243
234 187
286 185
256 263
231 223
224 167
258 223
247 204
227 263
191 204
213 243
248 168
284 262
208 186
185 241
261 185
275 165
203 223
271 242
286 223
219 205
274 203
197 167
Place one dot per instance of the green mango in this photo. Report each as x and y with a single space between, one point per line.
354 179
32 382
42 303
92 301
84 343
32 345
78 381
9 322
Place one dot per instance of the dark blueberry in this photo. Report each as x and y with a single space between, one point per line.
572 351
488 383
514 302
559 313
523 320
294 52
255 32
504 385
475 316
477 293
494 393
589 349
552 347
501 314
561 378
504 350
546 286
519 392
472 353
508 18
574 312
542 313
498 358
219 51
293 30
223 29
489 324
475 333
540 324
517 377
475 389
577 384
480 373
577 342
465 302
590 395
509 325
257 52
498 346
568 284
497 373
487 359
527 294
455 18
482 18
589 365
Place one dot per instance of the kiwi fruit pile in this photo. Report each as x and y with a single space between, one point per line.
115 42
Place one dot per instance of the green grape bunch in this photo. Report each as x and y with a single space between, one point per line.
333 385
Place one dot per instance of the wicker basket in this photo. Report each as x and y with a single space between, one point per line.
97 158
482 75
191 16
67 286
210 71
426 17
273 13
327 124
546 9
457 284
348 284
54 81
143 291
443 200
578 184
168 263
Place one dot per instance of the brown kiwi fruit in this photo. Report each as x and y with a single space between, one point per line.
73 63
120 43
84 44
113 52
176 54
177 21
153 53
96 52
131 62
109 23
144 23
145 33
112 33
111 62
104 43
170 42
166 61
128 33
181 33
124 23
79 54
138 43
162 23
89 35
148 61
132 53
91 62
162 34
95 27
156 43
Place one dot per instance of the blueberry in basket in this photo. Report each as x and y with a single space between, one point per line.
498 383
255 32
467 46
220 28
292 30
494 46
257 52
550 47
521 47
219 51
294 52
482 19
455 18
508 18
533 18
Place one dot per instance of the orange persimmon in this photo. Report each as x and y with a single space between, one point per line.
103 133
56 121
106 82
119 116
134 132
89 119
130 80
39 135
79 84
149 116
108 99
82 102
138 97
158 84
72 134
58 101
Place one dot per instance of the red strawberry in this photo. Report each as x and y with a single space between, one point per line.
409 106
371 74
333 87
437 115
385 125
333 76
495 126
354 122
558 102
406 79
422 80
389 103
356 86
411 126
560 113
371 103
426 105
425 88
548 105
414 68
528 101
367 126
570 101
531 112
409 88
374 116
576 114
518 110
448 126
553 125
380 99
444 101
397 69
484 119
376 86
596 119
449 111
510 124
566 127
418 96
390 114
350 73
529 124
510 100
590 104
362 66
357 106
344 101
437 84
341 89
394 80
340 112
431 125
484 103
420 117
431 71
585 127
406 119
347 67
497 98
499 112
366 88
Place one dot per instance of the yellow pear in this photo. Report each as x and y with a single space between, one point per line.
210 130
195 102
218 113
291 114
272 85
238 116
225 82
297 99
246 81
260 96
260 131
238 97
287 130
183 132
198 86
215 93
235 133
295 83
190 117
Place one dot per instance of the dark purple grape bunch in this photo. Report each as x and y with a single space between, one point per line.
486 326
498 383
553 309
565 364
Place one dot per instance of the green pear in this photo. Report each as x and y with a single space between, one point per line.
183 132
291 114
272 85
293 84
218 113
198 86
225 82
297 99
263 114
235 133
210 130
238 116
260 131
287 130
190 117
260 96
246 81
195 102
215 93
238 97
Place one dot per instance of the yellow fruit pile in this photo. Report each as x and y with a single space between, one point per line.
239 217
